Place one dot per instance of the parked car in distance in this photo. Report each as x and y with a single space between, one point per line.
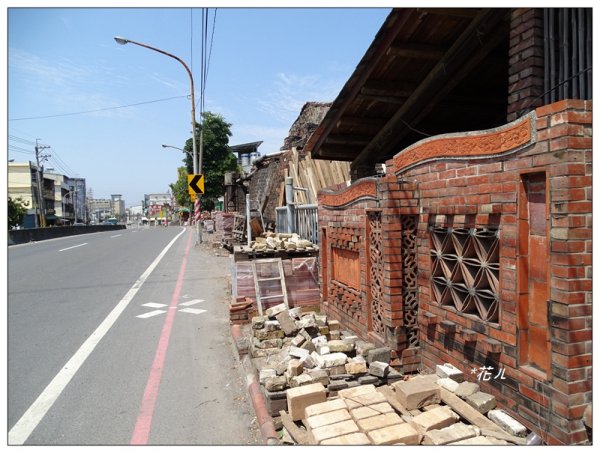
78 224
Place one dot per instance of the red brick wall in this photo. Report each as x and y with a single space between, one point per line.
465 192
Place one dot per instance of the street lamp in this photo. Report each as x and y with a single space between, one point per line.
196 158
180 149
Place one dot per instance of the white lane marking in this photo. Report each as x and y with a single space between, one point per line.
116 236
33 416
194 311
75 246
191 302
151 313
154 305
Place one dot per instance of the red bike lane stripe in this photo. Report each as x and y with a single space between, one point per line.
141 432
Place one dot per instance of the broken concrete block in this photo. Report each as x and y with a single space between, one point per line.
319 340
437 418
379 355
299 398
288 325
335 386
448 384
356 367
326 406
298 340
308 345
319 375
298 352
323 330
264 334
265 373
348 439
271 343
327 418
340 346
272 325
275 383
321 320
333 324
393 376
483 402
302 379
308 362
258 322
454 433
447 370
465 389
401 433
294 368
364 380
331 360
507 423
323 349
295 312
416 393
338 372
379 369
363 347
334 334
318 435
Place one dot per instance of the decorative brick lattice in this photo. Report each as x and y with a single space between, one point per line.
346 301
376 272
410 300
464 270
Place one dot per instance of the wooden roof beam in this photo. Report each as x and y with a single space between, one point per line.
480 37
359 121
418 51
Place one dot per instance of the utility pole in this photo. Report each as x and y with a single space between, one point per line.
40 158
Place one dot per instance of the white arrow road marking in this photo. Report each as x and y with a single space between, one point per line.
151 313
194 311
75 246
154 305
191 302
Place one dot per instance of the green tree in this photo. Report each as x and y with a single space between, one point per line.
180 188
17 209
217 158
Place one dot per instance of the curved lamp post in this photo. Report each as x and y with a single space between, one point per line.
195 156
180 149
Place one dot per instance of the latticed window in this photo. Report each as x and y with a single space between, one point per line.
464 270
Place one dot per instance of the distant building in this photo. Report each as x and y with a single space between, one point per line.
157 203
99 209
118 207
22 183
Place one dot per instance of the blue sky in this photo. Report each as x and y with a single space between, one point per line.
265 64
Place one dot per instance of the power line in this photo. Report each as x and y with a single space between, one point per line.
97 110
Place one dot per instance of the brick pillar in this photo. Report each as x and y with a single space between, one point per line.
526 61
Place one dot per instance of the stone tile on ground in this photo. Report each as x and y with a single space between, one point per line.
477 440
367 399
327 418
301 397
326 406
363 412
448 384
437 418
318 435
348 439
382 408
368 388
390 435
340 346
454 433
378 421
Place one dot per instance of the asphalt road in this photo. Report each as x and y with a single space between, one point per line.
115 340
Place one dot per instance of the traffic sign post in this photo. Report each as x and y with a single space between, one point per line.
195 184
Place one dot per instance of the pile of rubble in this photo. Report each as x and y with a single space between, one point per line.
281 241
325 386
292 349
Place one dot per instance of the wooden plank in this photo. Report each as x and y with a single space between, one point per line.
298 435
476 418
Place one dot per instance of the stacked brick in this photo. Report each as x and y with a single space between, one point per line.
408 412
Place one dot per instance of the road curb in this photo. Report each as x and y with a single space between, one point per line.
263 417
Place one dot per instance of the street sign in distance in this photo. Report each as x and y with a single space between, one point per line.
195 184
